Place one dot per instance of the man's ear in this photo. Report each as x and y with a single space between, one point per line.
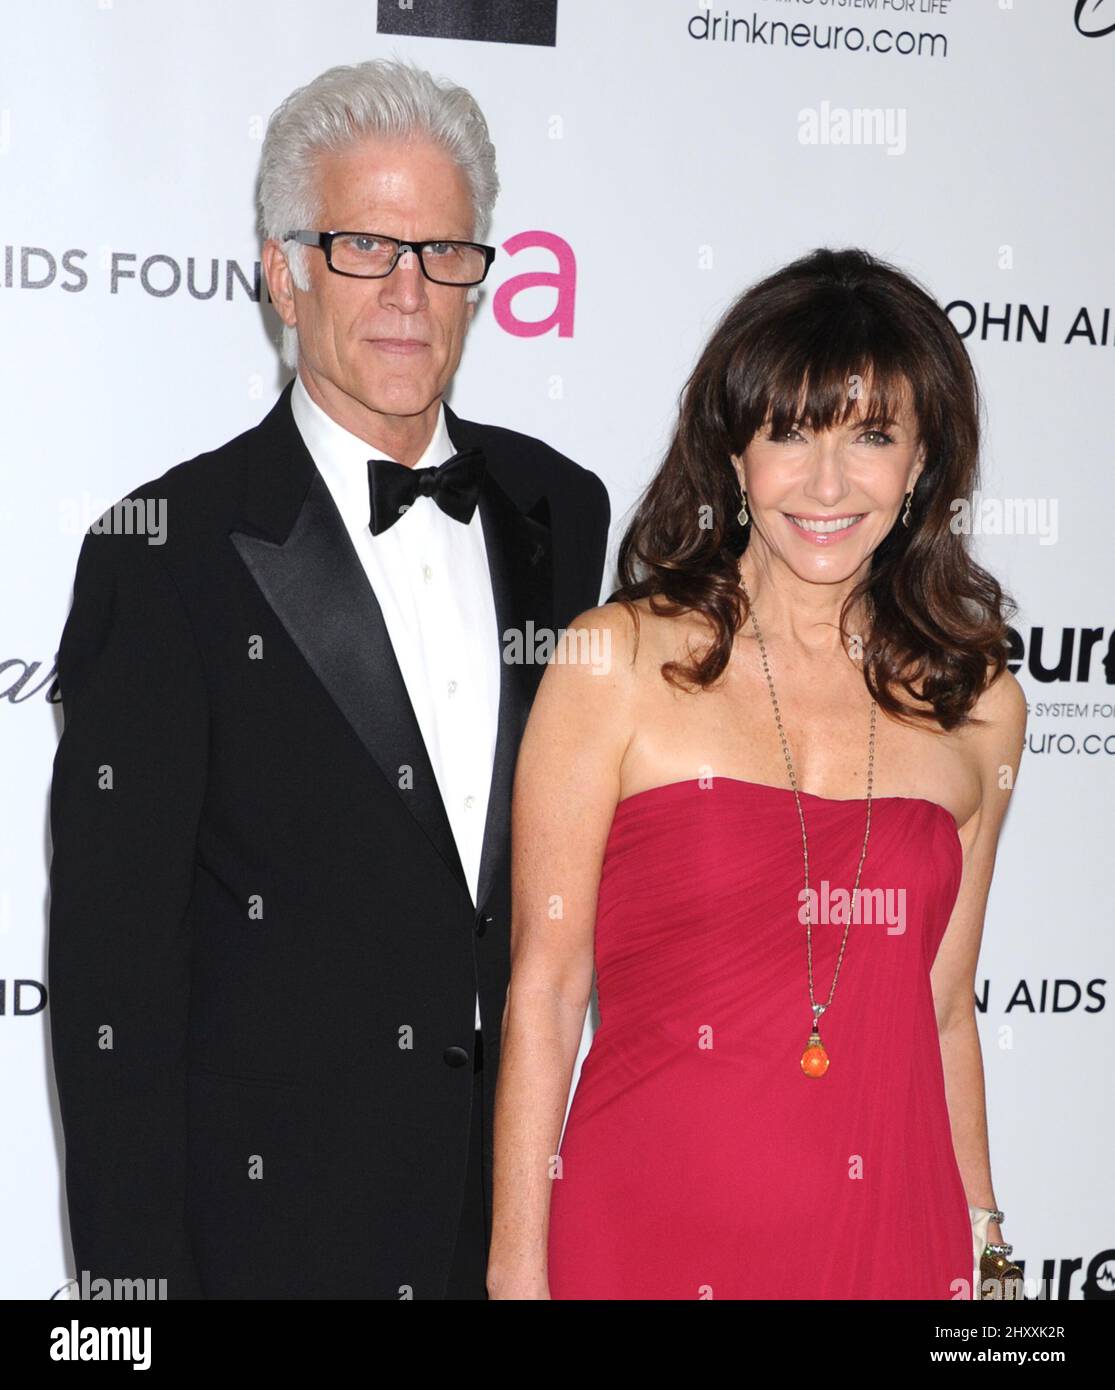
280 282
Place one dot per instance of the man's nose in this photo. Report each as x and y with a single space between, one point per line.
405 287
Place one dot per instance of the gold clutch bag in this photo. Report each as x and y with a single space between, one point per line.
994 1275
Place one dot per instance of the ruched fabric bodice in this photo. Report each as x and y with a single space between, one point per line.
698 1160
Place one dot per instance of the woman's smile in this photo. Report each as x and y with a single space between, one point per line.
824 530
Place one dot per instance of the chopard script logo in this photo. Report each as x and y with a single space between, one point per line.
1091 17
20 679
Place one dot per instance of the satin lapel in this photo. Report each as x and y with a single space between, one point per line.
521 566
317 587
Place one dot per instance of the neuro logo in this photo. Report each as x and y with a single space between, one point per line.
1099 1280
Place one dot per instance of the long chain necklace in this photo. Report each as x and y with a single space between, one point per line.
815 1060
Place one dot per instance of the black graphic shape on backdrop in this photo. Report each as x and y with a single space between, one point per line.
1095 18
492 21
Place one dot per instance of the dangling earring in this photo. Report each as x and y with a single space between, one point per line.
906 513
743 516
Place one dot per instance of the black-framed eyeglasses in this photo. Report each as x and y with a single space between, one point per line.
370 256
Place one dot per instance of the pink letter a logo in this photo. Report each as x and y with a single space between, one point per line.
564 280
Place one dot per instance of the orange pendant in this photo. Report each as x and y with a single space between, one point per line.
814 1060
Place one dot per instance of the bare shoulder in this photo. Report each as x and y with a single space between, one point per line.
658 635
601 640
637 636
603 681
580 721
998 739
1001 708
587 685
603 670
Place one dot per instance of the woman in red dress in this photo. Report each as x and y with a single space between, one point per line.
760 793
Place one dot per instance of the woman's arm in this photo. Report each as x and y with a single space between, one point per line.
566 788
998 750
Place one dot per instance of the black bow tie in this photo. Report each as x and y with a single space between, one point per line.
454 486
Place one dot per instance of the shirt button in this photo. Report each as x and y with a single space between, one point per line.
452 687
470 802
427 573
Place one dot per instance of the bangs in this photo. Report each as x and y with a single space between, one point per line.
826 367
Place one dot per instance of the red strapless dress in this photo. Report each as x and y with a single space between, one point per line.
698 1160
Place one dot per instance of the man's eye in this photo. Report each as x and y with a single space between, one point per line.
365 243
439 248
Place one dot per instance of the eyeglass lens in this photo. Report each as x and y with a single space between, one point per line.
447 261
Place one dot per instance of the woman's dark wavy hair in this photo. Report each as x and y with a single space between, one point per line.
785 353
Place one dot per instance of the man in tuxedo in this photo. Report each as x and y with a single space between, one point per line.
279 938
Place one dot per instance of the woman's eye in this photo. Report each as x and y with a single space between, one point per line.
878 437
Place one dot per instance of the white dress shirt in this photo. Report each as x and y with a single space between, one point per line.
430 575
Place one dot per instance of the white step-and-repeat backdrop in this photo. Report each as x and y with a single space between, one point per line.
656 157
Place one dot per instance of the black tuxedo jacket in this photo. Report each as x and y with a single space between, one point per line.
263 954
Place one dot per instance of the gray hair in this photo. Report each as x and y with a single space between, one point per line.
387 98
